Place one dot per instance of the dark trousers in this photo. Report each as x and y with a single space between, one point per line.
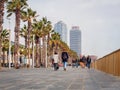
88 65
56 67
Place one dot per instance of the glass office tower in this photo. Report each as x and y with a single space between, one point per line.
61 28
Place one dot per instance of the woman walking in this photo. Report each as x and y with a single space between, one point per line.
56 59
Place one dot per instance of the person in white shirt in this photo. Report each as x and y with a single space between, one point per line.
56 59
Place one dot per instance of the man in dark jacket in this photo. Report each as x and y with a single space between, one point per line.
64 57
88 61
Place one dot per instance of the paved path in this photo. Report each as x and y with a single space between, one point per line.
48 79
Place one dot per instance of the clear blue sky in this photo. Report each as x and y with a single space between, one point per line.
99 21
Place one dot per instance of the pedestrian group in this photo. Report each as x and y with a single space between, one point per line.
83 61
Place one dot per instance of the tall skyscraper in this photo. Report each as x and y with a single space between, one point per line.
61 28
75 39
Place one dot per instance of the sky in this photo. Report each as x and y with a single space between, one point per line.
98 20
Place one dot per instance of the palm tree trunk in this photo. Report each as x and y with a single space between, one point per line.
40 53
25 45
0 51
17 30
37 52
44 52
33 51
25 42
1 27
3 57
29 32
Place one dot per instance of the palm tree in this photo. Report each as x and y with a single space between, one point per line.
55 40
5 42
1 22
46 29
37 26
41 29
16 6
28 16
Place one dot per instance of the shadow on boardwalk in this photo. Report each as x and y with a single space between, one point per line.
48 79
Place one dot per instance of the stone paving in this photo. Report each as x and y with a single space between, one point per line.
48 79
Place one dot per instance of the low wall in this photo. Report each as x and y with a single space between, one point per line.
109 63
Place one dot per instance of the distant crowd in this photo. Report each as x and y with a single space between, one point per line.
83 62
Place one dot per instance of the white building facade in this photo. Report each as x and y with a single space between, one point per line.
75 39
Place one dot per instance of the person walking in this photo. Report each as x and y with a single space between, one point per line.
76 63
56 59
73 63
83 62
88 61
64 57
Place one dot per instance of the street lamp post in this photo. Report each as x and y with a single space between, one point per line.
9 44
9 49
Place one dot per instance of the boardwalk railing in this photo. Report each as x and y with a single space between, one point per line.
109 63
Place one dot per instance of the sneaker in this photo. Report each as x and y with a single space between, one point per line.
64 69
